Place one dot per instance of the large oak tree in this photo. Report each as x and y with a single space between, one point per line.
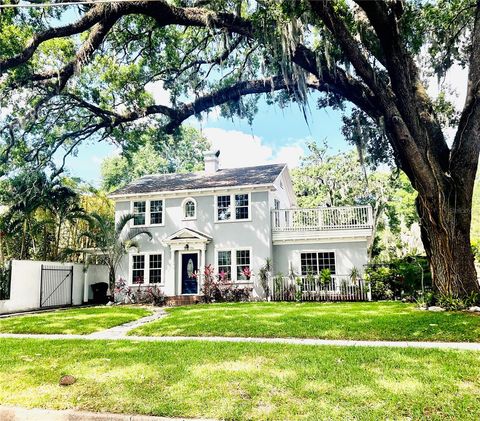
84 79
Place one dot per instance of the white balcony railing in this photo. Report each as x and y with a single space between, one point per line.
322 219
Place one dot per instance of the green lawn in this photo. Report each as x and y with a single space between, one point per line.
75 321
368 321
241 380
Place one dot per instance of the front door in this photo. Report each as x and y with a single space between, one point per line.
189 269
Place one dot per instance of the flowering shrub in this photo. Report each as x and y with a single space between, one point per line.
123 292
149 294
220 288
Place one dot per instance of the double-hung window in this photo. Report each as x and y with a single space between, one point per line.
155 269
243 264
225 264
224 212
148 212
146 269
314 262
138 269
241 206
234 264
233 207
140 213
156 212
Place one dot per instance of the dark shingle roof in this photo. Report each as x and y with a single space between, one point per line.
228 177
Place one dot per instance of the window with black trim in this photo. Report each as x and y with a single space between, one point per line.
155 269
224 260
314 262
139 212
156 212
138 269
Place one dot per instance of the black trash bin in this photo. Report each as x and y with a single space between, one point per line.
100 292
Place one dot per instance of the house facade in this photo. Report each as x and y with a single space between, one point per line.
234 219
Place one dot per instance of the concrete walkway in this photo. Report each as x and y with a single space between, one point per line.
290 341
10 413
122 330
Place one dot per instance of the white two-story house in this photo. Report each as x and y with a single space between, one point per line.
234 219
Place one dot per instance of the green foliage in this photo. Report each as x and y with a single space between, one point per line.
113 239
5 278
448 302
325 276
476 250
153 153
42 216
399 278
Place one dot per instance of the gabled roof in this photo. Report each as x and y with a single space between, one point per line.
188 234
228 177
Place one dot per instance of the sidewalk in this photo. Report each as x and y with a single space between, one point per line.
10 413
114 336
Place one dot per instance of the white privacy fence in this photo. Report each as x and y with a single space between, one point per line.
332 218
35 285
305 288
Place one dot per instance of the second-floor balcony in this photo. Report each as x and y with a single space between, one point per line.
322 222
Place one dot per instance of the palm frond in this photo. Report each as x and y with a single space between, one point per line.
122 222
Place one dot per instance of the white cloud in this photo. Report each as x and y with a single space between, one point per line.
239 149
160 95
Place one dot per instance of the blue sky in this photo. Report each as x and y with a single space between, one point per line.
276 135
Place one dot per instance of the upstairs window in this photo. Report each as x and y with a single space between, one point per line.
241 206
314 262
235 207
223 208
156 212
189 209
139 212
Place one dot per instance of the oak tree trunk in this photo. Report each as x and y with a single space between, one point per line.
445 232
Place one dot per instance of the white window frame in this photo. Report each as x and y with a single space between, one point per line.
184 202
233 252
317 251
249 249
150 213
147 213
146 275
132 211
233 212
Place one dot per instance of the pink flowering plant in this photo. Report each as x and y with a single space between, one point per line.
220 287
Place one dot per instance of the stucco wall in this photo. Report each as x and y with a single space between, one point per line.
347 255
25 284
228 235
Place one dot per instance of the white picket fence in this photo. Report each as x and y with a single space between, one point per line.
340 288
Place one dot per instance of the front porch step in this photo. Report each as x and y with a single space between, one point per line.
183 300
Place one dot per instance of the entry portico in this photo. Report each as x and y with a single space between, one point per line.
187 254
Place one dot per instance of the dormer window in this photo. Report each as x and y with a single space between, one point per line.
189 209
